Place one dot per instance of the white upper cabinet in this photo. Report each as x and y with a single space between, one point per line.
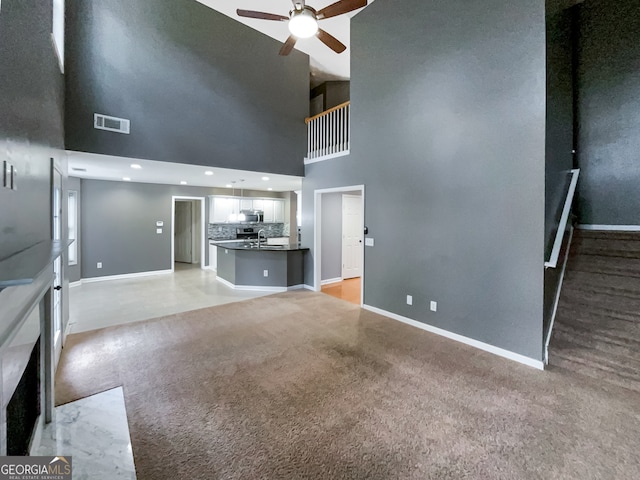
267 207
221 208
258 204
278 211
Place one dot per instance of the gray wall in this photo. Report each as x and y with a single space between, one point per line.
119 226
448 123
75 271
331 228
334 93
198 87
118 222
31 125
609 112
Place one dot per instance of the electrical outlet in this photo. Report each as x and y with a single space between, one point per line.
409 300
99 264
369 242
158 231
266 273
434 306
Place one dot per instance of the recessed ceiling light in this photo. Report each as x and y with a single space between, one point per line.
183 182
126 179
136 166
208 172
269 188
265 178
228 185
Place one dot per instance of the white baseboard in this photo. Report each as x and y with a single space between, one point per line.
308 287
460 338
331 280
610 228
296 287
75 284
126 275
251 288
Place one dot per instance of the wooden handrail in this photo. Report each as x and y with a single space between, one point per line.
326 112
557 244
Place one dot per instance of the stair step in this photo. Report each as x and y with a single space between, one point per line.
619 347
608 374
597 328
625 267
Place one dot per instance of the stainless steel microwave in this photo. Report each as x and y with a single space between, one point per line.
252 216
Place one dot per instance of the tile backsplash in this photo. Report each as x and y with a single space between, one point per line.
227 231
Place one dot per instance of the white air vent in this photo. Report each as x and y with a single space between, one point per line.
112 124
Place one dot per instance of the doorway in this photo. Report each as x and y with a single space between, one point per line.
338 243
56 235
187 232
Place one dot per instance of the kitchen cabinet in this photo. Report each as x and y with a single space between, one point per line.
273 211
278 211
267 207
258 204
221 208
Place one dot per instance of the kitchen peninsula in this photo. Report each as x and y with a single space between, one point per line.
245 266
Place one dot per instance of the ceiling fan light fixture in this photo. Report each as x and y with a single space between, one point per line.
303 23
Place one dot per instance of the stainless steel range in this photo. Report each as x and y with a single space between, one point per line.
247 233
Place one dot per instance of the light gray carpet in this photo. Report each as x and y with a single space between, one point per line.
597 328
301 385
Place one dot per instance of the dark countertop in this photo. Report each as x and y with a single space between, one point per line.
264 248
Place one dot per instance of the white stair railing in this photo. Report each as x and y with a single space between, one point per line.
328 134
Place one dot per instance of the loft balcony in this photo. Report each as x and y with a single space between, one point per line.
328 134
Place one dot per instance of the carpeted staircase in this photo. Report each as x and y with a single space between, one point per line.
597 327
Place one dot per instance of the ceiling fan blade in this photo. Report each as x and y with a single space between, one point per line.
330 41
288 45
261 15
338 8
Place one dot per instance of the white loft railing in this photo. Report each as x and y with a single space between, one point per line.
328 134
555 254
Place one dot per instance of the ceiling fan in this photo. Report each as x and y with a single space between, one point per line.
303 22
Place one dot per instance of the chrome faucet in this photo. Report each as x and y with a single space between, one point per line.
261 234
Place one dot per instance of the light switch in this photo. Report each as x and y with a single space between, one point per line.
158 231
368 242
434 306
159 223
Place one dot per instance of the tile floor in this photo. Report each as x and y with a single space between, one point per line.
114 302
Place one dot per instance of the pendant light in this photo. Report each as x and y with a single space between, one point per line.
241 216
233 217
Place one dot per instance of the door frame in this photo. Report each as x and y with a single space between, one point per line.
174 198
317 236
62 260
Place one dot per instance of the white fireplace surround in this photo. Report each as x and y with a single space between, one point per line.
25 315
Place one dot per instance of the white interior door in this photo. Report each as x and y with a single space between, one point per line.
351 236
183 232
56 234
